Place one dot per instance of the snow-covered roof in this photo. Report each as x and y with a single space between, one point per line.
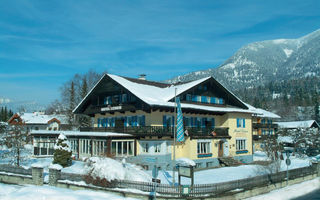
285 139
38 118
79 133
263 113
161 96
297 124
155 95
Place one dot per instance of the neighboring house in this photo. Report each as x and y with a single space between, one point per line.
39 121
135 119
298 124
263 127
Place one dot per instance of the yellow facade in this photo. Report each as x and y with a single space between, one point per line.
188 149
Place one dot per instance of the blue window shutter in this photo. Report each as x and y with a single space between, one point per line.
143 121
125 121
244 123
213 122
203 122
188 97
164 119
238 122
173 122
98 122
194 98
113 121
135 120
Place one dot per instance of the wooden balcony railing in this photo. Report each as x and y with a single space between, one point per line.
160 131
259 125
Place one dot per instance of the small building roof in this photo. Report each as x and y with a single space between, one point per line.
79 133
299 124
39 118
263 113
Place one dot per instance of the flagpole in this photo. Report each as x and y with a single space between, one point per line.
174 138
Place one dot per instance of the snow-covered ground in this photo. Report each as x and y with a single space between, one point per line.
225 174
111 169
290 192
17 192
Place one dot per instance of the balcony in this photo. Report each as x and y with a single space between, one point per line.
160 131
263 137
259 125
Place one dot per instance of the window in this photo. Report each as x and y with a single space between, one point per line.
263 131
270 132
204 99
241 123
241 144
263 121
168 121
124 98
99 147
157 147
188 97
145 147
43 146
204 147
141 120
220 101
122 148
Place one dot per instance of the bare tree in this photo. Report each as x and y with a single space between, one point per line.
15 138
273 150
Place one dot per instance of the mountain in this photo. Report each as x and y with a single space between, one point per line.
18 106
259 63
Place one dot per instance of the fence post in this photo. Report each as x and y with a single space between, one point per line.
37 175
54 176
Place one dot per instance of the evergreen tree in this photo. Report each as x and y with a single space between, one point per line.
71 104
2 115
84 121
316 112
62 151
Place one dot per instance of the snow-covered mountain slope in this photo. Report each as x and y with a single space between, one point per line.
261 62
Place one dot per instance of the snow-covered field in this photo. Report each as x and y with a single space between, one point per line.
28 192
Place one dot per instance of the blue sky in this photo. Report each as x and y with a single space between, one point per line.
44 43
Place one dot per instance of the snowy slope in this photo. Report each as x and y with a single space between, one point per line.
261 62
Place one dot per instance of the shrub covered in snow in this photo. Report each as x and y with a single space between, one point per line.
62 152
102 171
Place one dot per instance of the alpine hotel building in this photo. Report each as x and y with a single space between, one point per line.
135 118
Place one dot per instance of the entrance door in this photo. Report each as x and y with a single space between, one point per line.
220 149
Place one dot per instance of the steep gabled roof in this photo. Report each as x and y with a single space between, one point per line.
160 94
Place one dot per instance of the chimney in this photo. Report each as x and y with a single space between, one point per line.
142 77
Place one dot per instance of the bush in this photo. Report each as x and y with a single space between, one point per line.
62 152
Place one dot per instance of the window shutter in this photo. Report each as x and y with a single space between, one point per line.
244 123
135 120
143 120
164 121
173 122
98 122
238 122
125 121
203 122
213 123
